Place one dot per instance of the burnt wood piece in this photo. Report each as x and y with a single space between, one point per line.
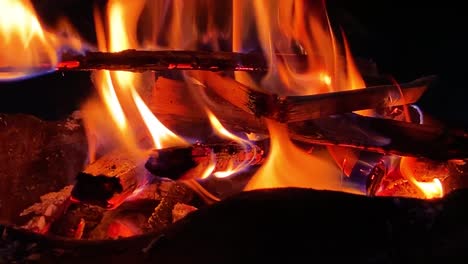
384 136
117 173
96 189
300 108
140 60
170 162
163 60
279 225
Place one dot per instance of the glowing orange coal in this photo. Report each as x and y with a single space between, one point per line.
429 189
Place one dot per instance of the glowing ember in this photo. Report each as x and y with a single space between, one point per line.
430 189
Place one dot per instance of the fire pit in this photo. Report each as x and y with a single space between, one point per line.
185 143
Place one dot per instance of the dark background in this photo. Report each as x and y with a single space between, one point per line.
405 41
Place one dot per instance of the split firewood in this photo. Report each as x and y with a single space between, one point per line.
299 108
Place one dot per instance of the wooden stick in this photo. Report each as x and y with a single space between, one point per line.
300 108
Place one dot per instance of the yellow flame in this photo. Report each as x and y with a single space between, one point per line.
118 89
26 47
289 166
431 189
222 131
324 66
159 132
210 168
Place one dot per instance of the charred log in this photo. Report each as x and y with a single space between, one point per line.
163 60
110 179
170 162
384 136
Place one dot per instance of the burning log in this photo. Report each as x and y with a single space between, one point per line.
163 60
174 105
384 136
349 130
110 179
170 162
139 61
300 108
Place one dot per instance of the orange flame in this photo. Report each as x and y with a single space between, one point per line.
289 166
27 48
430 190
327 67
118 90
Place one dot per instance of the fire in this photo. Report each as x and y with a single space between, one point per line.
289 166
119 90
328 67
222 131
27 48
430 189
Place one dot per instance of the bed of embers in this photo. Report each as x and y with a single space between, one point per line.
212 156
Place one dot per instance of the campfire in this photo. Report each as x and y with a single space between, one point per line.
199 102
